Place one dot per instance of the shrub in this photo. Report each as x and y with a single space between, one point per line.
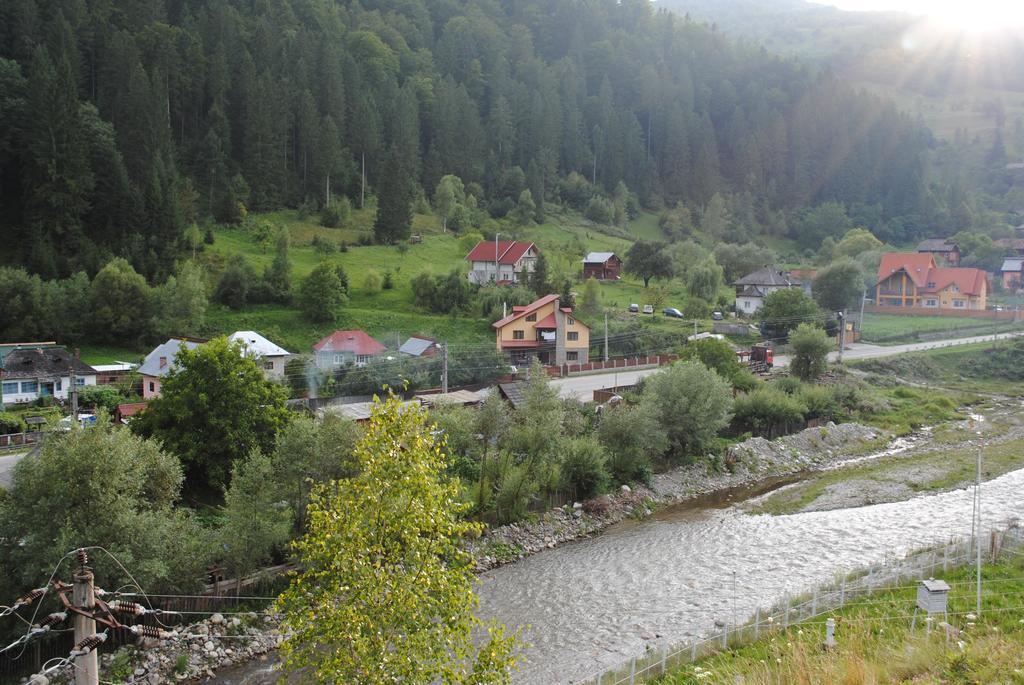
584 473
100 397
372 282
9 423
788 385
820 403
810 351
389 281
515 490
322 245
696 308
336 214
762 411
600 210
691 402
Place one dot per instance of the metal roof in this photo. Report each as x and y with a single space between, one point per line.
258 345
513 392
933 585
598 257
44 362
766 276
168 351
416 347
456 397
1013 264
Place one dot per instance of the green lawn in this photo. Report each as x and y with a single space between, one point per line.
390 315
108 354
964 367
876 645
897 328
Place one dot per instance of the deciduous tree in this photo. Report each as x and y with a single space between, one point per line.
385 593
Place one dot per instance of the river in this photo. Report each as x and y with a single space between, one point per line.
591 605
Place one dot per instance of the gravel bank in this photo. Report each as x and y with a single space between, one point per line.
746 463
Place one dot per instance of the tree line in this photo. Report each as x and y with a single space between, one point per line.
120 126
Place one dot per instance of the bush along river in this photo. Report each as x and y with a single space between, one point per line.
589 606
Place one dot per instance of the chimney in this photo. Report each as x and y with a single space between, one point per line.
163 362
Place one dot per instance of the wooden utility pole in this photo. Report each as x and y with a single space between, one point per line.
73 394
444 368
606 336
86 665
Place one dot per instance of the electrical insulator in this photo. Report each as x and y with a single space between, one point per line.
123 607
151 631
30 597
83 557
53 619
90 643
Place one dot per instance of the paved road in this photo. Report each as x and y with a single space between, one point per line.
583 387
7 462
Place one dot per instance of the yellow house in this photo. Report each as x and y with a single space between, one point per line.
907 280
545 330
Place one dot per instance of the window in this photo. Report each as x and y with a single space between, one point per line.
572 356
29 386
931 284
362 358
518 335
531 317
573 335
572 321
268 366
59 385
339 359
79 382
152 386
11 388
958 304
930 303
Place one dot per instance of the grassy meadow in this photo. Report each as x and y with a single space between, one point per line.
876 643
390 315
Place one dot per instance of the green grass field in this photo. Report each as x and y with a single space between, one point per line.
390 315
876 644
962 367
896 328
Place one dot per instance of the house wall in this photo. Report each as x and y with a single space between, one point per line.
568 326
26 393
748 305
483 272
273 367
898 290
150 387
1012 279
609 271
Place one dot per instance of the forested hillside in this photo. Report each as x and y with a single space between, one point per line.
122 123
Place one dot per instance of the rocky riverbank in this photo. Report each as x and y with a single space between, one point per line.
191 655
746 463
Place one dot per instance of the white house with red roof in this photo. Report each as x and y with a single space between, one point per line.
914 280
501 261
346 348
544 330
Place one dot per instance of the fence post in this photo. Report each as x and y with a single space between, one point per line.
757 623
786 621
664 658
814 602
693 651
725 636
945 558
632 671
842 593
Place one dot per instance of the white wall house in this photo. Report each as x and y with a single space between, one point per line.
31 373
502 261
753 288
270 357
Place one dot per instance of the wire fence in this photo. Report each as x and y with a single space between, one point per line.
820 600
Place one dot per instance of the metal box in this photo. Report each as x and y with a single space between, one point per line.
932 596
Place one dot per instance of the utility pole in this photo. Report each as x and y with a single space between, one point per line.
86 665
444 368
977 509
496 267
362 186
842 334
73 392
606 336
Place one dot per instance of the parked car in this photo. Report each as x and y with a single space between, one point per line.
635 308
648 309
717 316
672 312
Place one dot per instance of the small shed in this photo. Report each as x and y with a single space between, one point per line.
513 392
932 596
35 423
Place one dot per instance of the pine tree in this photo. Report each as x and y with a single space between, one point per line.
395 191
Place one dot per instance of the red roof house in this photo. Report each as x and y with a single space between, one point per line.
913 280
346 347
501 261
